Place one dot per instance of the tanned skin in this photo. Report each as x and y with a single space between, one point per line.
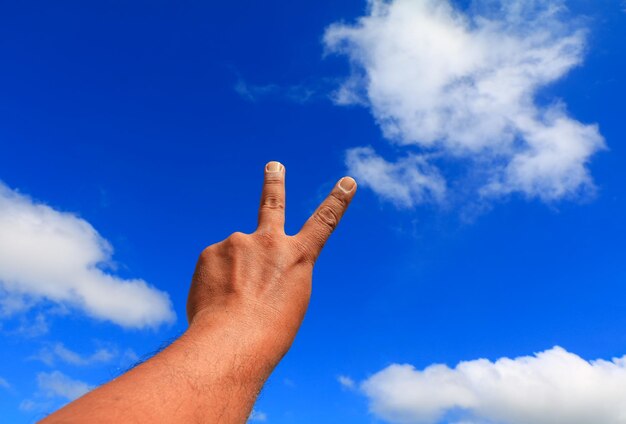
248 297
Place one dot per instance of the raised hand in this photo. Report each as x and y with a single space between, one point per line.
262 281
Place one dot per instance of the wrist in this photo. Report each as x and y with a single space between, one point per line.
253 348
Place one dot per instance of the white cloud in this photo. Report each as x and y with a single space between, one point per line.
346 382
554 386
464 85
11 304
50 255
57 384
408 181
258 416
52 388
59 352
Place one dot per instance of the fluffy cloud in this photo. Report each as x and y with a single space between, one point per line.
4 384
554 386
56 384
56 256
408 181
462 86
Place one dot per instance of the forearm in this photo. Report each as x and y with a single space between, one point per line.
211 374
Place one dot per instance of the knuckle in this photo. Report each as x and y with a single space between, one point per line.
327 217
273 201
273 180
304 253
207 252
338 199
237 239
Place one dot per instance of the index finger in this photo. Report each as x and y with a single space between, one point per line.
324 220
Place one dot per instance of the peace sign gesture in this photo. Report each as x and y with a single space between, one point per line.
320 225
263 280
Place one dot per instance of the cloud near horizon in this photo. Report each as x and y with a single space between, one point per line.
48 255
459 86
554 386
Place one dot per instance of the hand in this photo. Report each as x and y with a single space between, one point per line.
259 284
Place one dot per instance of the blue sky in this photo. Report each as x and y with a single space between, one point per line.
152 122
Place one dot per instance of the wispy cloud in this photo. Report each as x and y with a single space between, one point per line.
346 382
554 386
128 357
53 390
57 385
46 254
463 84
29 405
299 93
32 326
4 384
257 416
58 352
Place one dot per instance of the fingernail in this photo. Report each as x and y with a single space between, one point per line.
274 167
347 184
